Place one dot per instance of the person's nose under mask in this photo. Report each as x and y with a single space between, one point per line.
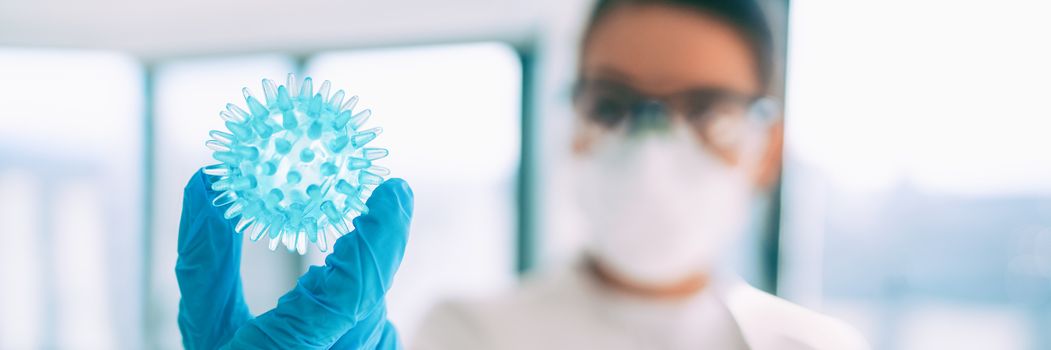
660 206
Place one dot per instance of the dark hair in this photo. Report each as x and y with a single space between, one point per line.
745 16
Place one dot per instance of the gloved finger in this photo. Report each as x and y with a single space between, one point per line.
212 306
328 301
381 238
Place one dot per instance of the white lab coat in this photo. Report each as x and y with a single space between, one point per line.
571 310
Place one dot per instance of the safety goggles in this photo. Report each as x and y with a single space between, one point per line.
721 118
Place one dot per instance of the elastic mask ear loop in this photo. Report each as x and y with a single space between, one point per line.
649 116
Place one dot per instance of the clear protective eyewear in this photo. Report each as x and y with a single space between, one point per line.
721 118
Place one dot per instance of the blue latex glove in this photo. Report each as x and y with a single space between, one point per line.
339 305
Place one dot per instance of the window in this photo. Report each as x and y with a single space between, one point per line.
917 201
71 177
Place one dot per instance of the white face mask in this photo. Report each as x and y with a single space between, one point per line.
661 207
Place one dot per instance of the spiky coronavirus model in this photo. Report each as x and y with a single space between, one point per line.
296 168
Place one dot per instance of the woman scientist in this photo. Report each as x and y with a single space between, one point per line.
674 136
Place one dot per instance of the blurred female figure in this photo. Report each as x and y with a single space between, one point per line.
674 137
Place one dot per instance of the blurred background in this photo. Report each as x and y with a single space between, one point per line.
915 199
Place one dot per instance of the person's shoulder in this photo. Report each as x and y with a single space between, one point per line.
486 322
542 290
779 323
451 324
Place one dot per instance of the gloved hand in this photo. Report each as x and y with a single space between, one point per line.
338 305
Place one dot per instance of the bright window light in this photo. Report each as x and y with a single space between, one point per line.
71 181
917 202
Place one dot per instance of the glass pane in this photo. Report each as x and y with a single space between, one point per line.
189 95
80 256
71 184
22 298
917 201
451 116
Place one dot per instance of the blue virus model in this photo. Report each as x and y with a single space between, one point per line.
295 169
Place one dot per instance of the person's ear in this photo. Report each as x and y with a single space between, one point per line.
769 169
